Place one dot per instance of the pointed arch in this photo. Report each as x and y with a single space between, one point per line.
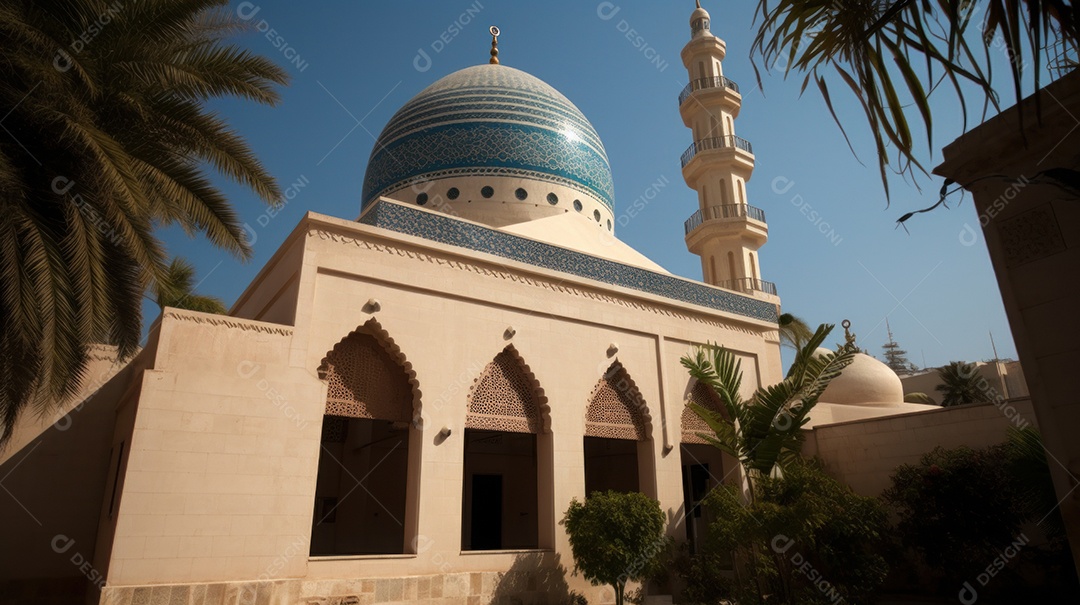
506 396
616 409
371 433
368 376
692 424
508 460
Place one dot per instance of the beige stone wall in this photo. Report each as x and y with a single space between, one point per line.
220 467
220 480
52 485
863 454
1030 222
273 294
219 422
1003 379
526 584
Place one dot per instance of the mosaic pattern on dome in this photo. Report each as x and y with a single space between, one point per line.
502 399
484 117
616 409
522 114
446 229
495 76
519 149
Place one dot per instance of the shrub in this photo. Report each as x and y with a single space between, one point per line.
806 538
615 538
963 510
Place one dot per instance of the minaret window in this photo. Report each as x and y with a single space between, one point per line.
521 194
553 199
487 192
577 205
453 193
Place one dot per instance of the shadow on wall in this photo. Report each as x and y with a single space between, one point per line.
534 579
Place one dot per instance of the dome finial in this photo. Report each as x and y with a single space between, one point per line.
494 45
849 336
698 2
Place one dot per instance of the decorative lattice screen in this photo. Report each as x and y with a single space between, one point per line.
691 422
616 409
503 398
364 381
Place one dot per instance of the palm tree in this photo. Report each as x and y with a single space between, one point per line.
794 332
106 136
959 384
177 289
877 50
918 397
766 430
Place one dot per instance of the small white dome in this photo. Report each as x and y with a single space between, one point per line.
866 381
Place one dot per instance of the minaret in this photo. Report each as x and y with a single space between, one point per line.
726 231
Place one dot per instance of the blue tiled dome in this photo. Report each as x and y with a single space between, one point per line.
489 120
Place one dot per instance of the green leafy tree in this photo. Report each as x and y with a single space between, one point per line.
894 55
177 289
959 384
103 142
767 429
616 538
959 509
806 539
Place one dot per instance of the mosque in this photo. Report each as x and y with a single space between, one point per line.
399 408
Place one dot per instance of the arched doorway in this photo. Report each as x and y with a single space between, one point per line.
618 452
368 478
703 465
507 488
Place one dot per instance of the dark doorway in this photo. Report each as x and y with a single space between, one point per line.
487 512
499 493
610 464
360 492
702 471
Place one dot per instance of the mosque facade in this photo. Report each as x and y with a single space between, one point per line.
399 408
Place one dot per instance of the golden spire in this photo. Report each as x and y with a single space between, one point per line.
849 336
494 45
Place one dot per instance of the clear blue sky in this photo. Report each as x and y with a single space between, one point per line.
353 64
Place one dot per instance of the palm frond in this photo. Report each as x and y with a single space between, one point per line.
112 142
871 48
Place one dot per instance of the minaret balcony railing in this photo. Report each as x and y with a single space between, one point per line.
703 83
713 213
729 140
749 285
